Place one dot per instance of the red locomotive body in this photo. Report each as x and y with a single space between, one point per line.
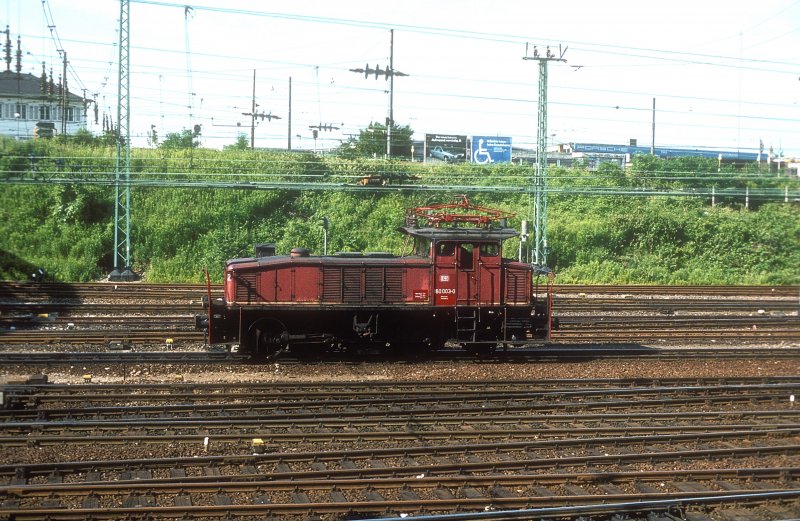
455 286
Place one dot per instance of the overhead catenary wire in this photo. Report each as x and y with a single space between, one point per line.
458 89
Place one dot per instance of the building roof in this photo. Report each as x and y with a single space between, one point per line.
666 152
25 85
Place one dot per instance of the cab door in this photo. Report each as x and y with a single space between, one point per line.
488 272
445 276
467 274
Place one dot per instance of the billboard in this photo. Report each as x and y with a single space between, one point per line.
490 149
445 148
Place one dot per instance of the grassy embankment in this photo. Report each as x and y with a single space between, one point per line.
625 237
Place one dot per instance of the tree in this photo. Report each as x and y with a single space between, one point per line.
371 142
242 143
84 137
152 136
184 139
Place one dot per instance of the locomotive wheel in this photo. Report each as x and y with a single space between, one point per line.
268 338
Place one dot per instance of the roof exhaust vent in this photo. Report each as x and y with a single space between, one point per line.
265 249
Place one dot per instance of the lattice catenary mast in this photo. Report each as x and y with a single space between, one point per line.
122 168
540 175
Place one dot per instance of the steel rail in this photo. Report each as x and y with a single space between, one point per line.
401 462
551 421
309 509
370 498
661 289
642 509
89 436
607 307
416 387
503 403
601 322
527 450
402 390
531 487
54 358
251 482
565 346
184 333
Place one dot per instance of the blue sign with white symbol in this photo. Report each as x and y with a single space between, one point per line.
490 149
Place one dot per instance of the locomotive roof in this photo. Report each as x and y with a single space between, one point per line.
475 234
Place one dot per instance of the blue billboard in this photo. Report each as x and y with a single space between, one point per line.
490 149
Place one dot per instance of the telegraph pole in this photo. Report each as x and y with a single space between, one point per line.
253 115
269 117
390 121
653 142
290 115
540 175
387 74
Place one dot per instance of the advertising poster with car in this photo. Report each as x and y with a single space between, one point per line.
490 149
445 148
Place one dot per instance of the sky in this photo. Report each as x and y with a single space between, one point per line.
723 74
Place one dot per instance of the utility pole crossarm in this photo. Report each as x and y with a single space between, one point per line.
387 73
261 115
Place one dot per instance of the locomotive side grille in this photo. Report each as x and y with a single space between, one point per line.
378 284
373 290
332 285
246 287
394 285
351 287
516 287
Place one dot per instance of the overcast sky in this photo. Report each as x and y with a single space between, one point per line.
724 74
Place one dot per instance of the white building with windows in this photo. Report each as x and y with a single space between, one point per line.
26 100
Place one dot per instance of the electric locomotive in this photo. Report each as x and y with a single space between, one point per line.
454 286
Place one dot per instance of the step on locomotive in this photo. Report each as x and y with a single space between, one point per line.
453 288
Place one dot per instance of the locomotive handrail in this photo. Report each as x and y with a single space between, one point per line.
437 214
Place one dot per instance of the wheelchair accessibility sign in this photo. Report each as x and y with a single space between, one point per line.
490 149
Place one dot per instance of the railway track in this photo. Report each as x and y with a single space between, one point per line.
147 315
671 448
554 353
107 291
698 447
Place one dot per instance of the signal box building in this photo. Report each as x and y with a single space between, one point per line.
32 106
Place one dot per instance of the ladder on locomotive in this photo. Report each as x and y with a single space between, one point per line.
467 324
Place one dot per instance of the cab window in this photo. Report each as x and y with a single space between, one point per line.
490 249
422 247
465 256
445 249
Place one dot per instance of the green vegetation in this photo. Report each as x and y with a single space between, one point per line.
626 235
371 142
